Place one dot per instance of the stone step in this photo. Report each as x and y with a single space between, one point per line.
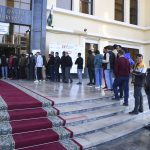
97 125
86 107
92 140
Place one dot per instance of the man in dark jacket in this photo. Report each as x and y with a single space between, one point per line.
63 63
4 66
90 66
68 65
147 89
139 77
122 72
79 63
57 65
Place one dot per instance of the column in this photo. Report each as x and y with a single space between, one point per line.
127 11
76 5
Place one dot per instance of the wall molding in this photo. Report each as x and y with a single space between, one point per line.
94 36
95 18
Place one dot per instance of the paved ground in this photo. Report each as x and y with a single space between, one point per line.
136 141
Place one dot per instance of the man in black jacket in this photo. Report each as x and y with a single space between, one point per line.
63 63
57 65
68 65
147 89
79 63
90 66
139 78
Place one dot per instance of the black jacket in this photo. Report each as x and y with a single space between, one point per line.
63 61
90 61
79 63
147 82
57 62
4 61
68 61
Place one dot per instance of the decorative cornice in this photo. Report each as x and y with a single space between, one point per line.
95 18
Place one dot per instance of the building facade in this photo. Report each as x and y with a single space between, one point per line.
93 24
22 26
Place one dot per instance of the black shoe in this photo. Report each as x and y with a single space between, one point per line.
71 81
147 127
140 111
66 82
89 83
79 83
125 104
133 113
114 98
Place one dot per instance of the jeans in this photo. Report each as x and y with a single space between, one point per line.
79 71
98 76
124 83
4 71
138 99
109 78
148 97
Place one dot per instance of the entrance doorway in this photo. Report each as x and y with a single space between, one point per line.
89 46
7 49
133 52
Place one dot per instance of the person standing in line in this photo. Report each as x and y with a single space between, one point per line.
147 89
56 66
122 73
109 71
79 63
68 65
63 63
39 65
44 68
139 77
90 66
22 66
98 59
4 66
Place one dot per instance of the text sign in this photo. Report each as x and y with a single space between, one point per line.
15 15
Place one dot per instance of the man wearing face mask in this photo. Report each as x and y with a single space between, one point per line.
139 78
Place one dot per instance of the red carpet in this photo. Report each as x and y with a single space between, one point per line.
29 126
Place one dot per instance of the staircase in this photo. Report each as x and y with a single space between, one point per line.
90 122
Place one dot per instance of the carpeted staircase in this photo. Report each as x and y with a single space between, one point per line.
31 124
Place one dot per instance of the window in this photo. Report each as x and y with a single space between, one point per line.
65 4
86 6
23 4
119 10
134 12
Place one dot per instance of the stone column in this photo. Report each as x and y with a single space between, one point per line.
127 11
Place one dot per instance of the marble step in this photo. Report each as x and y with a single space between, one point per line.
97 125
86 107
91 140
84 117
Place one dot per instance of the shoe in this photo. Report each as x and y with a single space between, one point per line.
105 87
114 98
125 104
147 127
79 83
140 111
71 81
66 82
93 83
89 83
36 81
133 113
97 87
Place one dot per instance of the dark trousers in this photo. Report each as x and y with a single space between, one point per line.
148 97
63 74
124 83
67 74
52 72
39 73
138 99
57 75
91 72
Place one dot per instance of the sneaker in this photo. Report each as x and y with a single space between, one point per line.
114 98
97 87
133 113
125 104
36 81
89 83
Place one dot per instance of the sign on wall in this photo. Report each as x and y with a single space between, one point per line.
4 28
72 49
